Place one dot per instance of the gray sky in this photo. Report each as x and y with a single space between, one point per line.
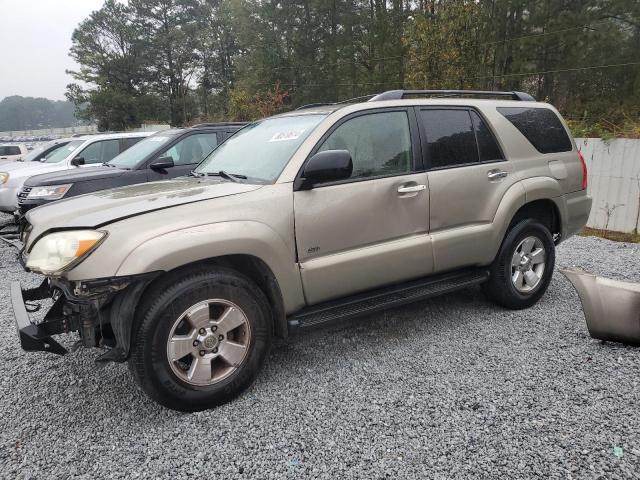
35 37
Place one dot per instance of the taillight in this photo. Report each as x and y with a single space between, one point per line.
584 171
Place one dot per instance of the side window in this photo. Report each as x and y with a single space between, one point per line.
487 144
379 144
540 126
192 149
450 137
100 152
129 142
10 150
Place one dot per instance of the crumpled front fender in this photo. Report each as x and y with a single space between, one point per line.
611 307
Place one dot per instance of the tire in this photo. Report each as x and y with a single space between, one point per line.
200 307
504 286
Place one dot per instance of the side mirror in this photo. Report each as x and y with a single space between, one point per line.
327 166
162 163
76 162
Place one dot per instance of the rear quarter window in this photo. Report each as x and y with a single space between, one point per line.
540 126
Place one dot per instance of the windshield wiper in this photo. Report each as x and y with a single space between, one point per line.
105 164
234 177
193 173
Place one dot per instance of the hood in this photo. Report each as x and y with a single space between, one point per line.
107 206
74 175
26 169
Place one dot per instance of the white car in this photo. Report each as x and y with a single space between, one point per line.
88 150
43 150
12 152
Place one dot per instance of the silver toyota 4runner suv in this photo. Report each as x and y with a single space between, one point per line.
324 213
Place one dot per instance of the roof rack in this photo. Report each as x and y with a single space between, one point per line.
341 102
217 124
400 94
312 105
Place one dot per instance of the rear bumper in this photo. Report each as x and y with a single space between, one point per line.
577 207
36 337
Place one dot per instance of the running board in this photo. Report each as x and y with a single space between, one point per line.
384 298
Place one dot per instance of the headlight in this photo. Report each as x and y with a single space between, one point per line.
49 192
4 177
58 251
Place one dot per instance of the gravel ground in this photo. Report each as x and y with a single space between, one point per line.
448 388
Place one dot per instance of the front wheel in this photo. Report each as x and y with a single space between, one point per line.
202 341
521 272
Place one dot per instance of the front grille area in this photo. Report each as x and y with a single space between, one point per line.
24 193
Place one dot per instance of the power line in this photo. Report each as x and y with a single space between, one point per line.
518 74
341 62
542 34
496 42
561 70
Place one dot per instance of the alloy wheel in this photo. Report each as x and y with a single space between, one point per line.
208 342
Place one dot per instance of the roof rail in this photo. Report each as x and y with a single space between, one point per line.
312 105
218 124
341 102
400 94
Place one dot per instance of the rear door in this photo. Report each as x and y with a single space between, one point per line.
372 229
468 176
186 153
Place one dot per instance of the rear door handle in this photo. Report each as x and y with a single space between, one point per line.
496 174
412 189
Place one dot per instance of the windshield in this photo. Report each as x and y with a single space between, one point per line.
134 154
261 150
37 152
60 154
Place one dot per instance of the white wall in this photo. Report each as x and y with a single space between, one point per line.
62 131
84 129
614 178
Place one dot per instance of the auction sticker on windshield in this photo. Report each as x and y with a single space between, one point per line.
284 136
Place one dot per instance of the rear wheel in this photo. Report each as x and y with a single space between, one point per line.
523 268
203 341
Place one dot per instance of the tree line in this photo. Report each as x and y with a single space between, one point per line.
28 113
183 61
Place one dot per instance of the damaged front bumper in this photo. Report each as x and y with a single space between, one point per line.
100 310
37 337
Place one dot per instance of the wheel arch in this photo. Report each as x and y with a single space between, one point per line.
250 266
543 210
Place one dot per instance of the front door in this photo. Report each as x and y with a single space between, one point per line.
372 229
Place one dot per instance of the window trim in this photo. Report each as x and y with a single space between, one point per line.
468 109
416 147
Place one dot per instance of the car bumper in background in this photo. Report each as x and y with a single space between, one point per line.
8 199
26 205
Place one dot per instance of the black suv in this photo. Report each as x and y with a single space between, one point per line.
163 155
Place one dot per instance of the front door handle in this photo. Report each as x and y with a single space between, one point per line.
496 174
412 189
